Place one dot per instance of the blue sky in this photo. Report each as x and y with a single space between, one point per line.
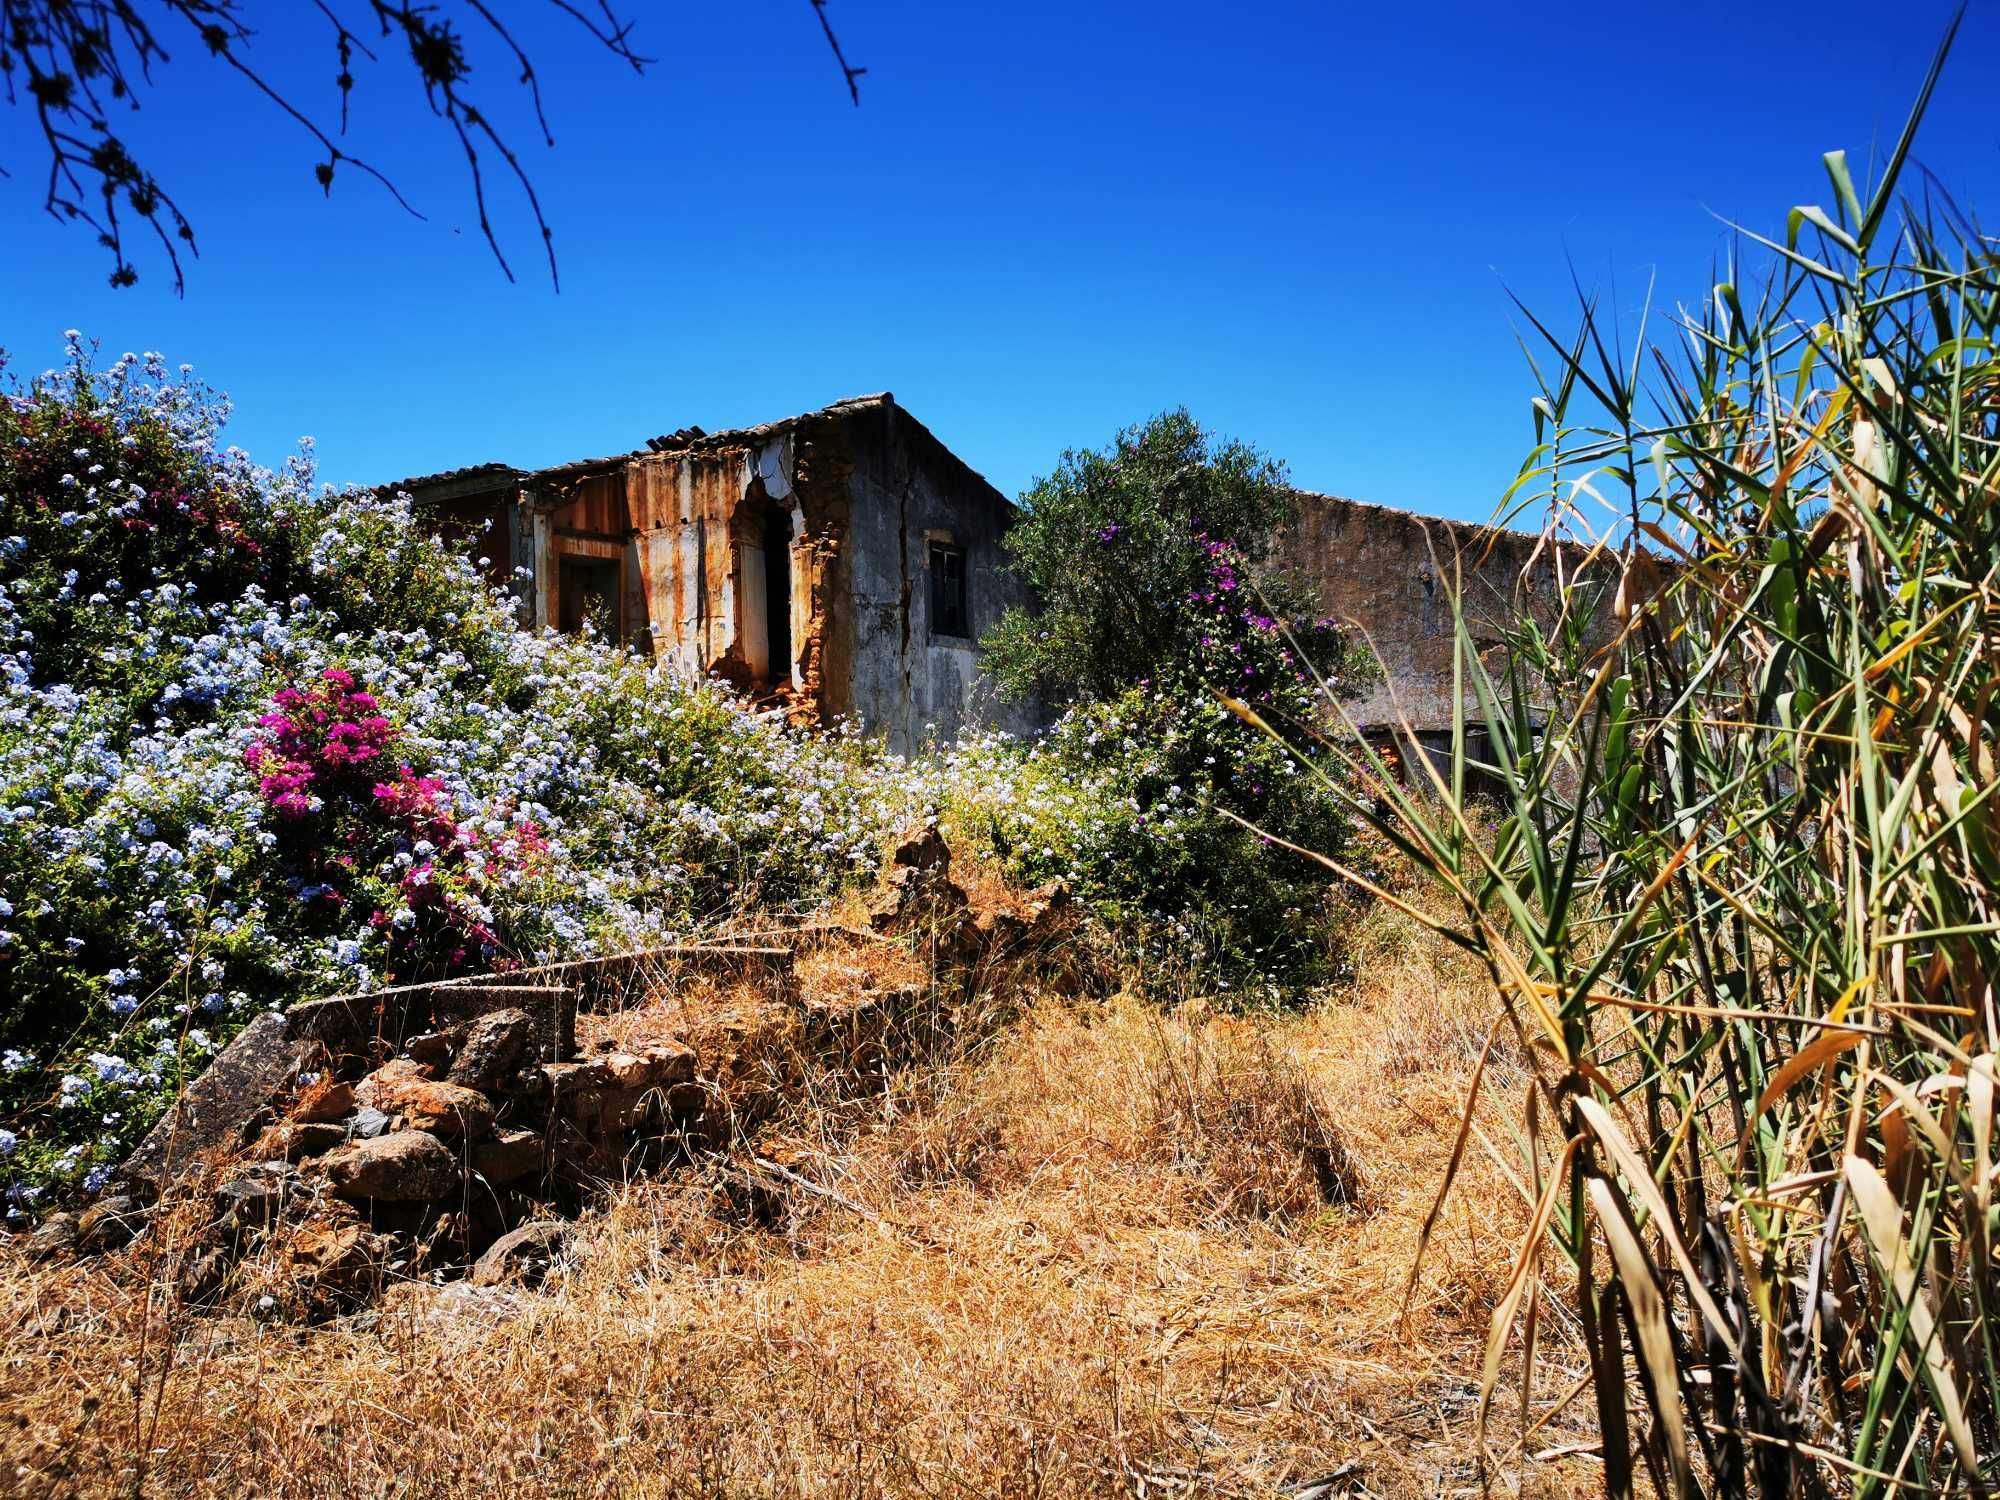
1044 221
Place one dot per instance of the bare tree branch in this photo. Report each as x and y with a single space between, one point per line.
71 60
852 75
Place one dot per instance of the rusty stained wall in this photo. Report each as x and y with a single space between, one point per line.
702 520
1374 567
856 494
863 491
586 519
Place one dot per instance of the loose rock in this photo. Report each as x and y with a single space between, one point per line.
628 1071
333 1261
324 1102
922 847
403 1090
56 1235
509 1156
494 1046
108 1223
433 1047
659 1064
297 1140
609 1112
255 1197
202 1275
525 1254
408 1166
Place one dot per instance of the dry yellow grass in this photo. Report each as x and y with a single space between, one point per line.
1106 1250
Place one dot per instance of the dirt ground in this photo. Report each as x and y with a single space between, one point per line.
1104 1249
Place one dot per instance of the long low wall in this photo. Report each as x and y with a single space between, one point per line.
1392 573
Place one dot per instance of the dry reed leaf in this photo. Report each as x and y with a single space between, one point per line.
1642 1183
1636 1278
1525 1262
1815 1054
1882 1221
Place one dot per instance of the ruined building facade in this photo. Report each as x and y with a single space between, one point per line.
1391 575
844 564
841 564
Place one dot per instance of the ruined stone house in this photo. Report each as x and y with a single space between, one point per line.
843 563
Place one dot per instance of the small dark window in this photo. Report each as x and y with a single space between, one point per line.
951 611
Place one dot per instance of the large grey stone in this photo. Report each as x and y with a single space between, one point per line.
244 1078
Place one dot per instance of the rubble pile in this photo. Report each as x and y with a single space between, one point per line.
453 1128
457 1152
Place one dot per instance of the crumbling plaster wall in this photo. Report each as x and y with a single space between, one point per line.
1393 573
862 491
909 679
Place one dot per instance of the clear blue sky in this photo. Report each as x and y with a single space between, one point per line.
1044 221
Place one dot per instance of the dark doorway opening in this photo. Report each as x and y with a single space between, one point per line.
778 594
587 592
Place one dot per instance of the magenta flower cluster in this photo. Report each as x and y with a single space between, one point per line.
1244 647
392 843
443 920
315 736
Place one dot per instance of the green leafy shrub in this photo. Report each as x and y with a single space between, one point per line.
1158 607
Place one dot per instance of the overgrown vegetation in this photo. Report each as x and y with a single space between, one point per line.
261 741
1090 1252
1742 906
1152 565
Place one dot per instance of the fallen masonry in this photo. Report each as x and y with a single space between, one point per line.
453 1128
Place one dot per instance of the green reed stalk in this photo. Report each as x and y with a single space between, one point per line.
1742 905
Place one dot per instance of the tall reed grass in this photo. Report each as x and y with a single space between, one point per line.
1743 899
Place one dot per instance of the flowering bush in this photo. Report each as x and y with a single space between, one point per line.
1152 561
262 741
322 735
